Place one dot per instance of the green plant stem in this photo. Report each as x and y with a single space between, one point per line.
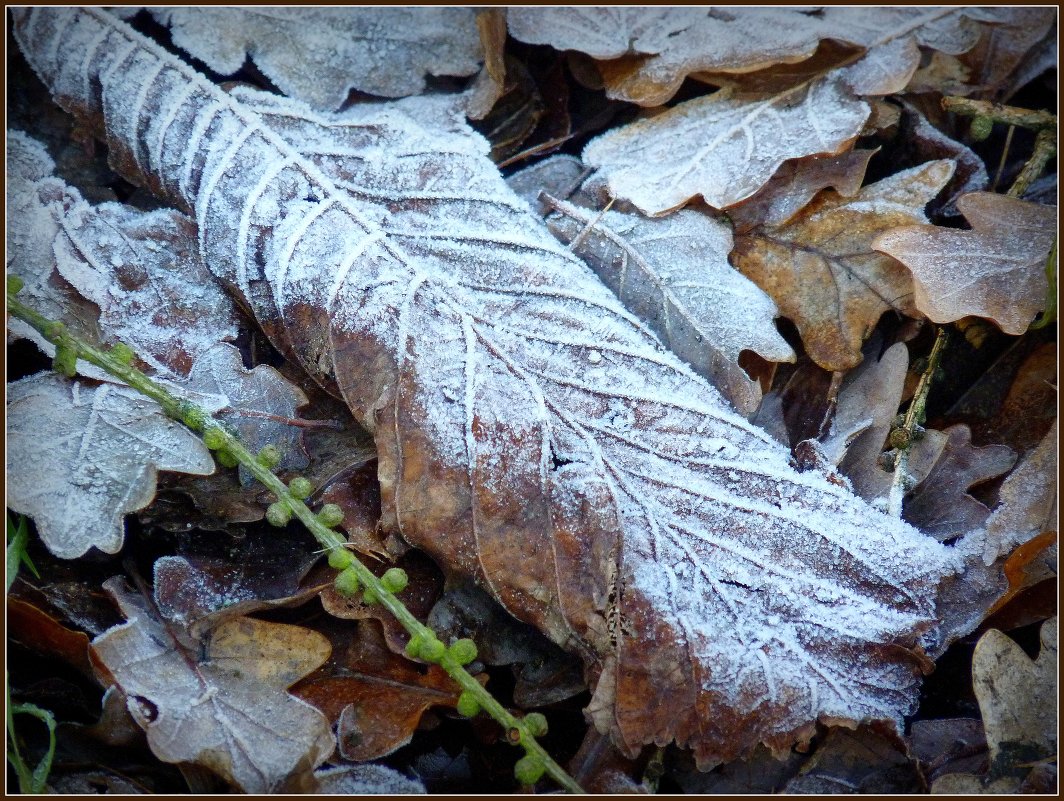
1009 115
201 422
913 418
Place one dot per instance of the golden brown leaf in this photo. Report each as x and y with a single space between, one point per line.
821 268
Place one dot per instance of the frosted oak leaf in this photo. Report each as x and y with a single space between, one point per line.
532 434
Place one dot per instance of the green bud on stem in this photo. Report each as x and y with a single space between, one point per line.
529 769
269 457
340 559
65 361
331 515
347 582
468 705
226 459
394 579
301 488
463 651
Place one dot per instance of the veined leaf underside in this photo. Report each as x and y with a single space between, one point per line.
531 432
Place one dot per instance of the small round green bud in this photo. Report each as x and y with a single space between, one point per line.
193 416
340 558
463 651
394 579
278 514
347 582
413 647
214 439
980 128
269 457
432 650
122 352
226 459
14 284
65 361
529 769
900 439
301 488
370 597
536 723
468 705
54 330
331 515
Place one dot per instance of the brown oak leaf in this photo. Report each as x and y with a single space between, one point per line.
997 270
220 703
822 270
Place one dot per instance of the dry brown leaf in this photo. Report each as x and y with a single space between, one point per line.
869 760
725 146
868 402
997 270
1013 31
1028 501
821 268
319 54
673 272
795 184
375 698
220 704
928 142
491 81
464 341
1015 695
940 505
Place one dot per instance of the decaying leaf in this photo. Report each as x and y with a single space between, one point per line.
865 761
867 403
718 597
673 273
822 270
260 404
220 704
940 505
559 176
376 698
723 146
1013 32
929 142
141 269
80 458
366 779
1015 696
1028 501
997 270
796 182
319 54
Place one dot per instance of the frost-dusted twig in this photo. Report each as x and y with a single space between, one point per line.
901 438
1045 147
353 573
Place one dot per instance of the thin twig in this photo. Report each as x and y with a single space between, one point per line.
1045 147
1009 115
1004 156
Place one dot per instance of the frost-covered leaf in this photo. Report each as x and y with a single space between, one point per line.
368 779
795 184
258 403
220 703
558 176
80 458
940 505
1013 32
142 270
997 270
673 273
602 32
719 597
1015 695
318 55
822 270
724 146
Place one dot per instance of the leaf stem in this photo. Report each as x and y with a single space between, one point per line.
903 436
199 421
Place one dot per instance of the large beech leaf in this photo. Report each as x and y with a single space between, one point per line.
531 433
822 270
996 270
220 703
80 458
318 55
723 146
673 272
